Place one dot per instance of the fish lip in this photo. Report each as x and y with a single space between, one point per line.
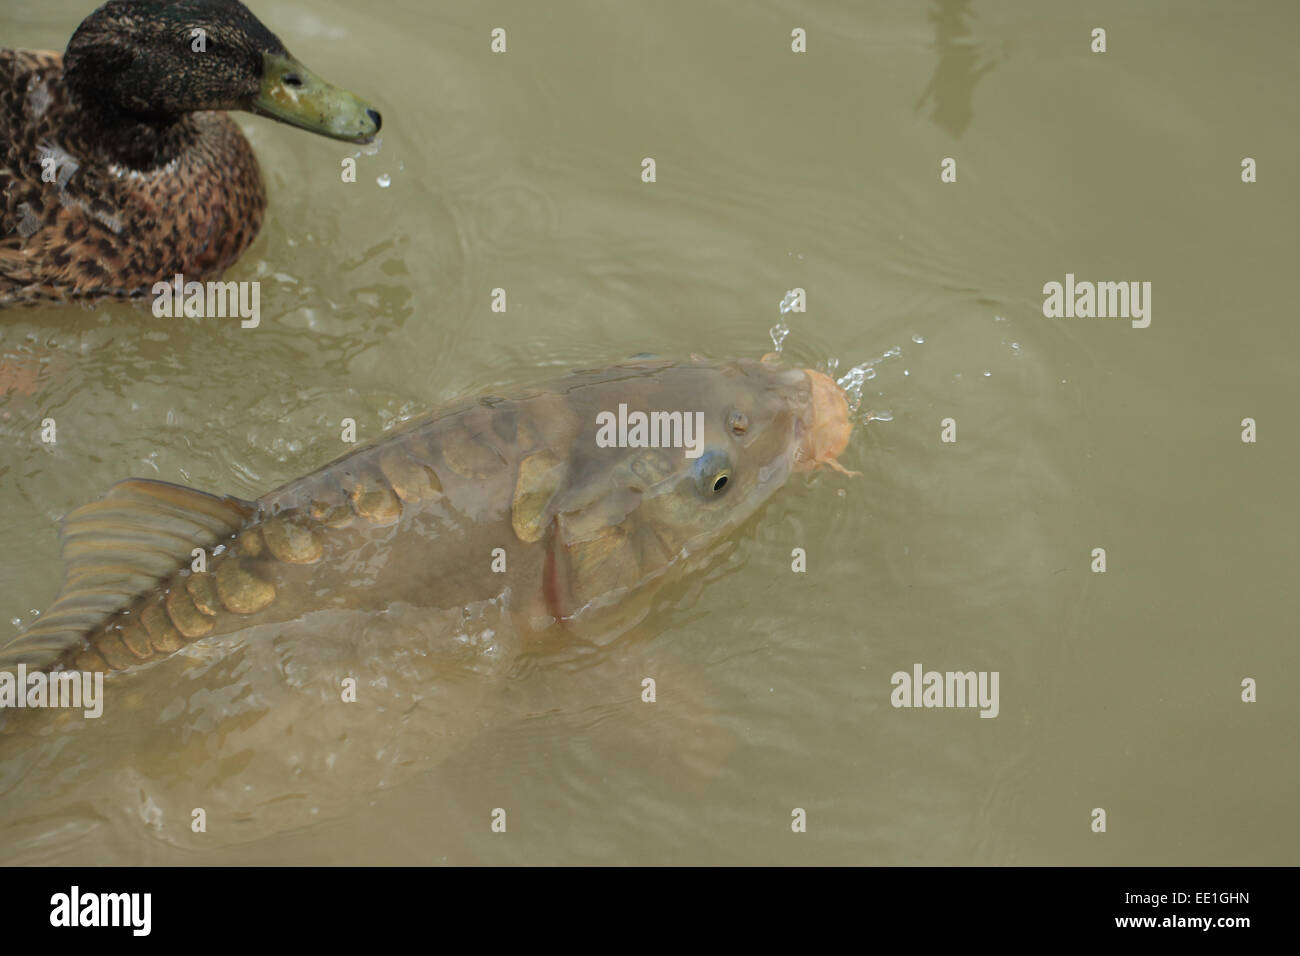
292 94
825 426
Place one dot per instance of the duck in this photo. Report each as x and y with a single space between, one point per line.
119 166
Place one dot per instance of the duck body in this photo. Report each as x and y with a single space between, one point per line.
77 222
119 167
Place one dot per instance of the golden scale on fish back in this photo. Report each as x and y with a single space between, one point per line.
118 166
583 524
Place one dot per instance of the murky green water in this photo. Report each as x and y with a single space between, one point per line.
1118 690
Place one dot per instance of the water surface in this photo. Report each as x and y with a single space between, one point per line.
819 171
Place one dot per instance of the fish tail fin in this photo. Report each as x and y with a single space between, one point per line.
116 549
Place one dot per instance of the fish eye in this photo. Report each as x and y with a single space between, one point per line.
292 79
712 473
737 422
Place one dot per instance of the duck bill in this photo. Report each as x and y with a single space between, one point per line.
293 94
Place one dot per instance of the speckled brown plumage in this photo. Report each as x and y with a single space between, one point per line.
104 228
118 165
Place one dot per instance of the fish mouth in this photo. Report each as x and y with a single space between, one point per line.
293 94
827 428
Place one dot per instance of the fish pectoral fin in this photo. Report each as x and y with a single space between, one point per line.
541 475
114 549
587 564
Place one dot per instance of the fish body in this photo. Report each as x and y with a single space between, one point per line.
514 503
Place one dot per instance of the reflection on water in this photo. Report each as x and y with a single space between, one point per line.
961 66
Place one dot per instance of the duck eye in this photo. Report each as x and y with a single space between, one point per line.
712 473
737 423
292 79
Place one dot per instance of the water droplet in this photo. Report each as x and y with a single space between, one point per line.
384 181
987 373
999 318
918 338
1015 347
885 416
779 332
851 381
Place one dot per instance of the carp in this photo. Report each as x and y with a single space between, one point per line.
276 663
515 502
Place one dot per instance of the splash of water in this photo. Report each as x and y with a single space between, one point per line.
781 330
779 333
853 380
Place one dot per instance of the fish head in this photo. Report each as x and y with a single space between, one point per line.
698 447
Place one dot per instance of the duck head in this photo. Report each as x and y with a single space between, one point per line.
155 60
